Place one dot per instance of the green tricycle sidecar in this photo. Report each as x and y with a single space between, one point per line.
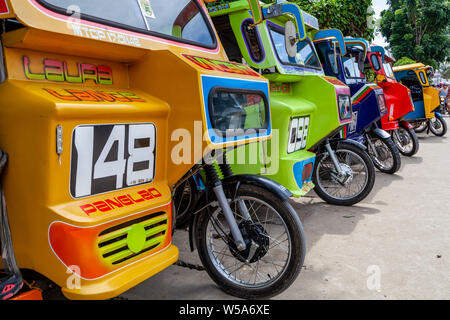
309 109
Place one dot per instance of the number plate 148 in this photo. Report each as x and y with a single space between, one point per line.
111 157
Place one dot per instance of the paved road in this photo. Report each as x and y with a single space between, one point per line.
401 232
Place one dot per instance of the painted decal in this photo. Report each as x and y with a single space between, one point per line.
223 66
362 93
335 81
58 71
280 87
147 9
111 36
310 20
352 125
111 157
298 134
124 200
96 31
94 96
215 8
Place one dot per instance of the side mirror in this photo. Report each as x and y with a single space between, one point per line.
290 38
256 10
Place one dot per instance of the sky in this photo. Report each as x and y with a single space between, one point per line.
378 6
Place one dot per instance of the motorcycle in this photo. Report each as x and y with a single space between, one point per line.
368 100
398 100
106 100
277 42
426 99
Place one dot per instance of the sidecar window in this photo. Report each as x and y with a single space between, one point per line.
306 54
179 20
375 62
388 70
233 112
333 62
423 78
415 87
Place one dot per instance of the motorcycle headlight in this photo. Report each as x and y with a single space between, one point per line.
345 107
298 134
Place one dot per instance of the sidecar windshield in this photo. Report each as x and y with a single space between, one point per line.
388 70
306 55
354 64
179 20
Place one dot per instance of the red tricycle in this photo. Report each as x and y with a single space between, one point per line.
398 100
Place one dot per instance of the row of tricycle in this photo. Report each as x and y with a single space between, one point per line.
122 121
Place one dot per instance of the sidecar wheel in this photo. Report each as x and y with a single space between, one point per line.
406 141
388 160
438 127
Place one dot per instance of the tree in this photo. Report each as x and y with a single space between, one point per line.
404 61
350 16
418 29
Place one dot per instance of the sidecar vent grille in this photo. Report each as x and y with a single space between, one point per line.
114 242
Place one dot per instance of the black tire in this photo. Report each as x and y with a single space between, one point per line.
184 200
357 197
411 137
388 151
296 241
438 127
420 127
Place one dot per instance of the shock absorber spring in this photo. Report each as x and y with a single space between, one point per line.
211 175
225 168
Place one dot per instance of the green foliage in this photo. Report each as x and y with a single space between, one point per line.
404 61
349 16
418 29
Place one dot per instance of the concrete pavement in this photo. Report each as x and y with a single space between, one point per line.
393 245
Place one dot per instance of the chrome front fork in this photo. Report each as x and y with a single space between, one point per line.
342 175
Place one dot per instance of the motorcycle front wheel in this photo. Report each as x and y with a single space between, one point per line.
406 141
387 157
360 181
438 127
274 238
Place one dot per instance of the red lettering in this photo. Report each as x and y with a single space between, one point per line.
102 206
144 194
125 200
88 208
114 203
137 201
155 193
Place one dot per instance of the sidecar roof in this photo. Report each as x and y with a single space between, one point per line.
357 42
413 66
